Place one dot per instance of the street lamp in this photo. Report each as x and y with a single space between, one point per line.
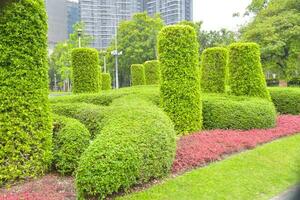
79 32
117 53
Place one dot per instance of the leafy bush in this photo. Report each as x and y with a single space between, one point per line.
70 139
246 74
25 122
106 81
137 144
286 100
137 75
180 79
227 112
152 72
294 82
214 64
91 116
86 70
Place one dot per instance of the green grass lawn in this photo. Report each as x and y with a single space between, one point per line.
257 174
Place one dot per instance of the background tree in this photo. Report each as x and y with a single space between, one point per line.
276 27
137 41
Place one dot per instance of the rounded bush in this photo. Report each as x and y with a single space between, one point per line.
137 75
214 64
106 81
137 144
86 70
245 71
180 79
70 139
152 72
25 122
286 100
229 112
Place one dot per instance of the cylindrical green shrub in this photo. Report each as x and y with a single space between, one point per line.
25 121
70 139
138 75
180 79
133 147
152 72
86 70
286 100
230 112
106 81
214 63
246 76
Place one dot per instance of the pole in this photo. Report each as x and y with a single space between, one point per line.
104 64
116 47
54 82
79 42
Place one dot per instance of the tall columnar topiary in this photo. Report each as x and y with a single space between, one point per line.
138 75
152 72
214 63
180 79
25 122
245 71
106 81
86 70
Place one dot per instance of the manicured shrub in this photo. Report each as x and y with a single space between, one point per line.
180 79
226 112
25 122
106 81
138 75
70 139
214 64
86 71
133 147
294 82
286 100
245 70
272 82
152 72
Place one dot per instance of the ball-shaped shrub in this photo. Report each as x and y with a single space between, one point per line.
133 147
106 81
86 71
286 100
230 112
25 122
180 79
138 75
214 64
246 76
70 139
152 72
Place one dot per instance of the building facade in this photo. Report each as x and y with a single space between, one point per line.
73 15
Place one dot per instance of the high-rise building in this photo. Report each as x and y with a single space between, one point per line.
57 22
73 15
101 17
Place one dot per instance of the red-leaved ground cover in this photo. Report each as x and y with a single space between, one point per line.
193 150
202 148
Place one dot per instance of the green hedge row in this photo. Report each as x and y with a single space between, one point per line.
286 100
86 71
152 72
228 112
133 147
138 75
106 81
246 77
25 120
180 77
70 139
214 69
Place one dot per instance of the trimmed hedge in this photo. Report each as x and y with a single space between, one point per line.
136 145
229 112
214 64
138 75
106 81
246 74
180 77
294 82
25 120
272 82
152 72
86 70
70 139
286 100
